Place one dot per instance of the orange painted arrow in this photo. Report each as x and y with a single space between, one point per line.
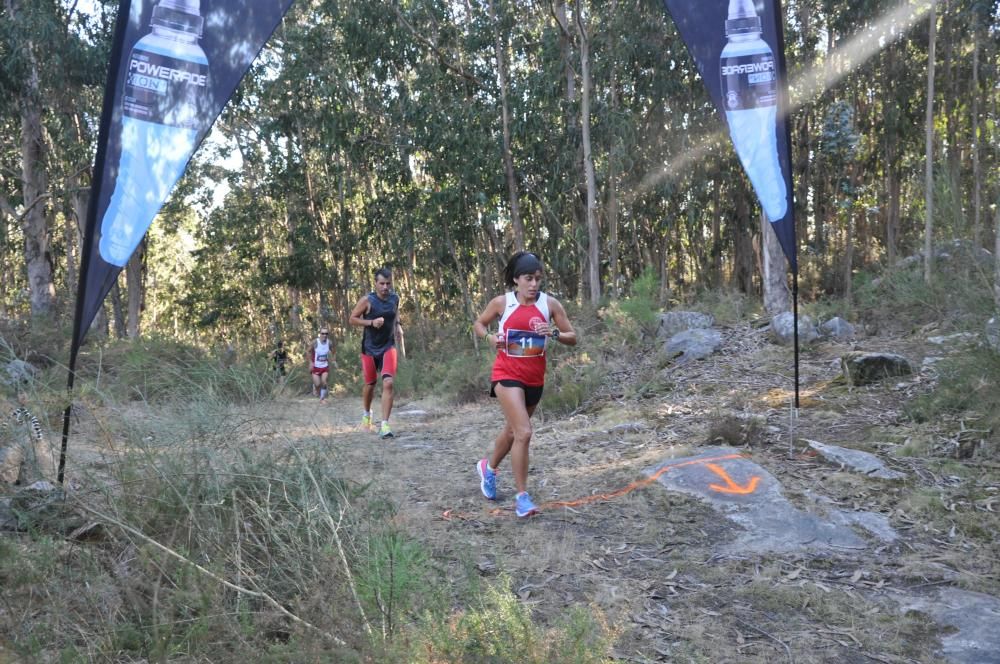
731 486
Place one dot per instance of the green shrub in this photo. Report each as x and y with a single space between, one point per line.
960 297
969 385
499 628
728 306
448 367
636 315
572 381
160 369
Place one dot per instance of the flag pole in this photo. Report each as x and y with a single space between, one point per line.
785 105
795 334
86 256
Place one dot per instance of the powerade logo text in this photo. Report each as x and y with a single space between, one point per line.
151 76
748 81
750 68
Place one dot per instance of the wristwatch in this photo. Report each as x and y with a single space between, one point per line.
555 333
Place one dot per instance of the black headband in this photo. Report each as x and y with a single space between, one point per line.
527 264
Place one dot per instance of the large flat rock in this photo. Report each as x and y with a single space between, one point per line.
750 497
974 619
857 460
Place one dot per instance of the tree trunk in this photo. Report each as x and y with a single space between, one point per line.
892 213
803 154
777 296
4 213
996 259
977 175
508 159
116 306
950 96
716 250
593 232
849 224
99 326
134 284
612 213
929 147
743 254
34 220
34 185
73 225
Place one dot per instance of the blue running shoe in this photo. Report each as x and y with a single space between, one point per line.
487 480
524 505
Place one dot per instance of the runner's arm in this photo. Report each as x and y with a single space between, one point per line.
567 335
357 314
490 314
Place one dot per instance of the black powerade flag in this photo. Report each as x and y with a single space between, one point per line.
174 65
738 46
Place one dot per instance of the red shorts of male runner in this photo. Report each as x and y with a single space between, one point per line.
383 365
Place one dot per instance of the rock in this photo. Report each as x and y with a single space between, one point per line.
837 328
862 368
971 619
856 460
43 506
672 322
26 460
693 344
18 372
783 329
8 520
749 496
957 338
414 413
963 251
956 252
627 427
993 334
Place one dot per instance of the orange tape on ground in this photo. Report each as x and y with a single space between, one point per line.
451 515
638 484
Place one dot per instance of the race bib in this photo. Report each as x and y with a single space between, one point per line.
522 343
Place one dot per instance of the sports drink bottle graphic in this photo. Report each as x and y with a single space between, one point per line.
163 105
750 98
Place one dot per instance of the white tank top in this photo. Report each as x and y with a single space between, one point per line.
541 303
321 356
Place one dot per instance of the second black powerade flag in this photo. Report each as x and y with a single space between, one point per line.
738 47
174 65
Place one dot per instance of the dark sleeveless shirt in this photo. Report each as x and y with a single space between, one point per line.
376 341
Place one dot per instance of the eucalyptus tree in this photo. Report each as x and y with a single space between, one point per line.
51 66
929 142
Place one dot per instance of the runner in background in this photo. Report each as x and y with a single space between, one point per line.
378 314
320 356
280 359
529 320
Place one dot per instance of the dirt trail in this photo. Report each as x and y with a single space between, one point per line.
653 561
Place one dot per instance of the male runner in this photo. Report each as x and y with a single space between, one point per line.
378 314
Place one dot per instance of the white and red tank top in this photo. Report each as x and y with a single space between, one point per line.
523 356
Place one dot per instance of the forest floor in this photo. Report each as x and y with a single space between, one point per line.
898 570
666 569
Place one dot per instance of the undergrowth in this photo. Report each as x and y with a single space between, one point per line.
198 539
969 387
958 296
